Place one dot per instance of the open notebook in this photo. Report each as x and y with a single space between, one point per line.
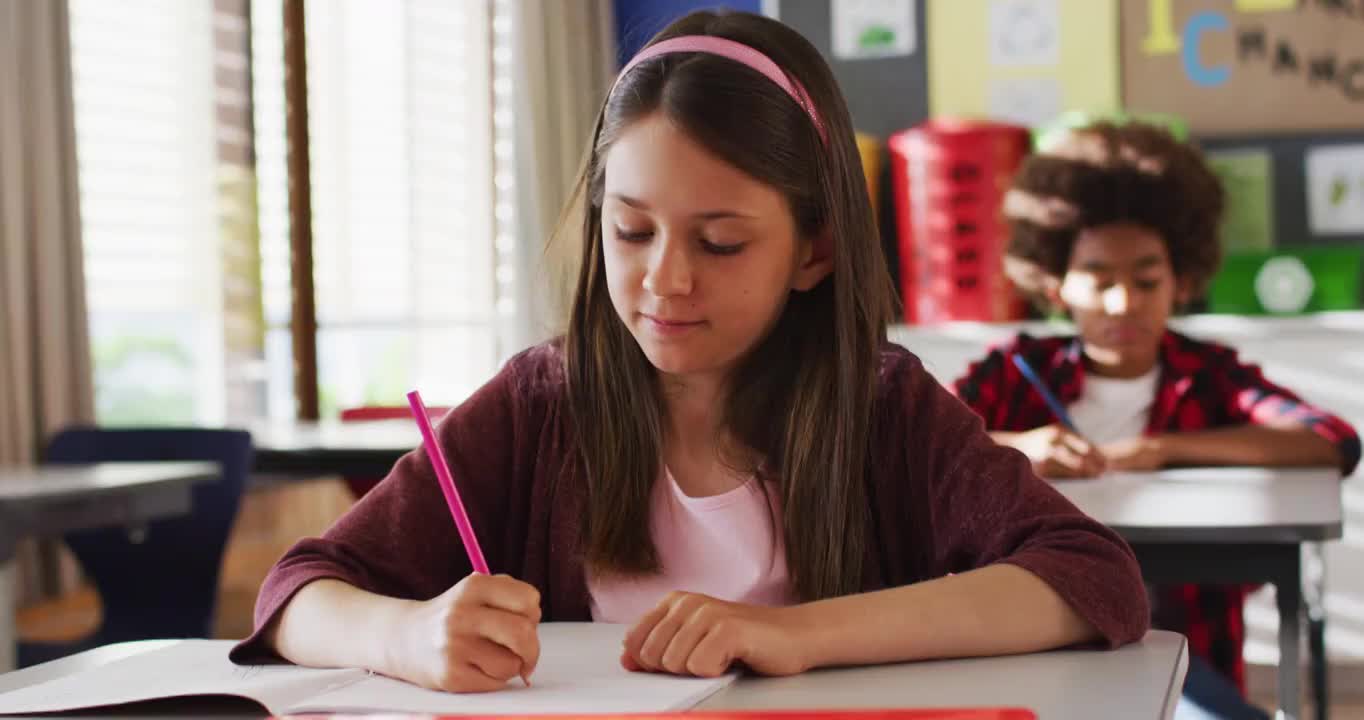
579 672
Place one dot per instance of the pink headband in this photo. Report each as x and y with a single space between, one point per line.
737 52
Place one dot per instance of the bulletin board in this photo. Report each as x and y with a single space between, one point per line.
1246 66
885 94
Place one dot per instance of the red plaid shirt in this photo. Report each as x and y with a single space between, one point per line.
1202 385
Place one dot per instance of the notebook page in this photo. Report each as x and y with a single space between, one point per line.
186 668
579 672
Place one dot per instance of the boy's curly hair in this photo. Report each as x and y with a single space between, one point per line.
1102 174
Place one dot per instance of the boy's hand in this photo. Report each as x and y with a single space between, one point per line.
473 638
1137 454
1059 453
692 634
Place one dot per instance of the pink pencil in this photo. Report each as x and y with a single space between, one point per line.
447 484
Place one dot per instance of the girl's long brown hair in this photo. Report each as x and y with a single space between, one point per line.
803 400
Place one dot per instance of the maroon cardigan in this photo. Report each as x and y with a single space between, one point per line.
944 499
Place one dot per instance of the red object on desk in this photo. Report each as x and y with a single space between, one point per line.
920 714
361 485
950 177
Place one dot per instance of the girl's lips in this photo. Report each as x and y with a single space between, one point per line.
671 327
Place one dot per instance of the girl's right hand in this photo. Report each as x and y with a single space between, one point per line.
473 638
1059 453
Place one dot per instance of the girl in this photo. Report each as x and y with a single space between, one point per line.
723 451
1116 227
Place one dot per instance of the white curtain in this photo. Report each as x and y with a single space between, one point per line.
564 58
45 375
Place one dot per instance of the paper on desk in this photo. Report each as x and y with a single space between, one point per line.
579 672
185 669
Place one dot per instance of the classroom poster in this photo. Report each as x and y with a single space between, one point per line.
1027 101
1246 66
1024 33
1022 61
1284 284
1335 190
1248 178
1288 280
865 29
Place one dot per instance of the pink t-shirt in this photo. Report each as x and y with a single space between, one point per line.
725 546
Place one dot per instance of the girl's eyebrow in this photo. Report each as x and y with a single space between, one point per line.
719 214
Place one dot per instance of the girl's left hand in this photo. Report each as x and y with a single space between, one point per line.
692 634
1137 454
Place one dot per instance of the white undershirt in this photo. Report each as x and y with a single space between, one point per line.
1114 409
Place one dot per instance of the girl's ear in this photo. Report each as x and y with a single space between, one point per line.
816 262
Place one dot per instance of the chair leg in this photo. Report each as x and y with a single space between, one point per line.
1316 655
1314 602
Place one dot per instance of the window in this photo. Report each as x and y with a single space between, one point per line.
400 107
142 73
183 177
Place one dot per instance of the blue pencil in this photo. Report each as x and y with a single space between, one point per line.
1042 390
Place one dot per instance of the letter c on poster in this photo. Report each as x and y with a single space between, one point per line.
1198 25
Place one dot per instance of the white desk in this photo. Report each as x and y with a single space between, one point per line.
1224 525
53 499
1221 505
1142 680
1137 682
